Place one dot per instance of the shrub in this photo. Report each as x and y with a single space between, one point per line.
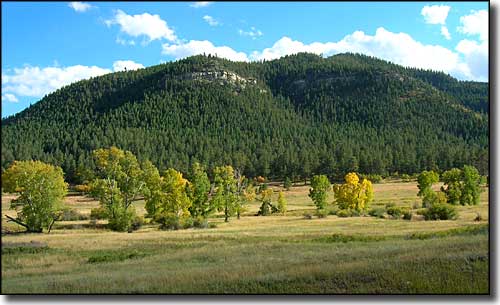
287 184
395 211
82 188
98 213
265 209
322 213
440 212
478 217
390 204
137 223
307 216
407 214
188 223
377 212
373 178
405 178
355 213
122 219
168 221
68 214
200 222
433 198
344 213
333 210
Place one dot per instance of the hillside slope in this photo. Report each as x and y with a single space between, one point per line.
295 116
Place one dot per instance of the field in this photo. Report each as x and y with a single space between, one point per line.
257 255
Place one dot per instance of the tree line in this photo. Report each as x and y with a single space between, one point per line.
174 201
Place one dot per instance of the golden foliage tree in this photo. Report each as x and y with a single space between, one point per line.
353 194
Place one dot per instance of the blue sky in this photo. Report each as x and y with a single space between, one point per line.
47 45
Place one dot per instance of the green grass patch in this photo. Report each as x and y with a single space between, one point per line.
468 230
115 256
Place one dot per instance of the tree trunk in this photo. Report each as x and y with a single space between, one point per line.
18 222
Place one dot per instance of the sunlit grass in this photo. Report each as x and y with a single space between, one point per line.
273 254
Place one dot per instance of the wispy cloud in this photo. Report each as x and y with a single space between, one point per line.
199 4
253 33
211 20
80 6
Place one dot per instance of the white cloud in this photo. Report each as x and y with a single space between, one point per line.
475 24
196 47
253 33
121 65
210 20
125 42
200 4
445 32
476 58
80 6
399 48
37 82
150 26
435 14
8 97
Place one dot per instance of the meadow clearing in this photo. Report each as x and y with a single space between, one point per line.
256 254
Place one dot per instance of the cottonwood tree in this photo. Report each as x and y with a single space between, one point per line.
320 185
471 186
353 195
462 186
173 208
452 187
121 181
282 204
425 181
266 199
198 191
225 197
41 189
152 188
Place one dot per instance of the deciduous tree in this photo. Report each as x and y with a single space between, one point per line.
320 185
353 195
41 188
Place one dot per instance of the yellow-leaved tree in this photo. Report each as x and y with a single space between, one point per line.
173 207
353 195
41 189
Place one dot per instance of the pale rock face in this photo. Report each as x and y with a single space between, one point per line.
225 77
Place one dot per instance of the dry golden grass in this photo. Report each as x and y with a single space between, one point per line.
273 254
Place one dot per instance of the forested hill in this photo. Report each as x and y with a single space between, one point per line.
295 116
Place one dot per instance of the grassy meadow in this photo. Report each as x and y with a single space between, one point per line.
257 255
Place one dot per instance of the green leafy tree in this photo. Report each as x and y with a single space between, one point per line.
198 191
471 186
353 195
121 181
287 184
425 181
453 185
152 192
282 204
41 189
320 185
225 198
245 192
